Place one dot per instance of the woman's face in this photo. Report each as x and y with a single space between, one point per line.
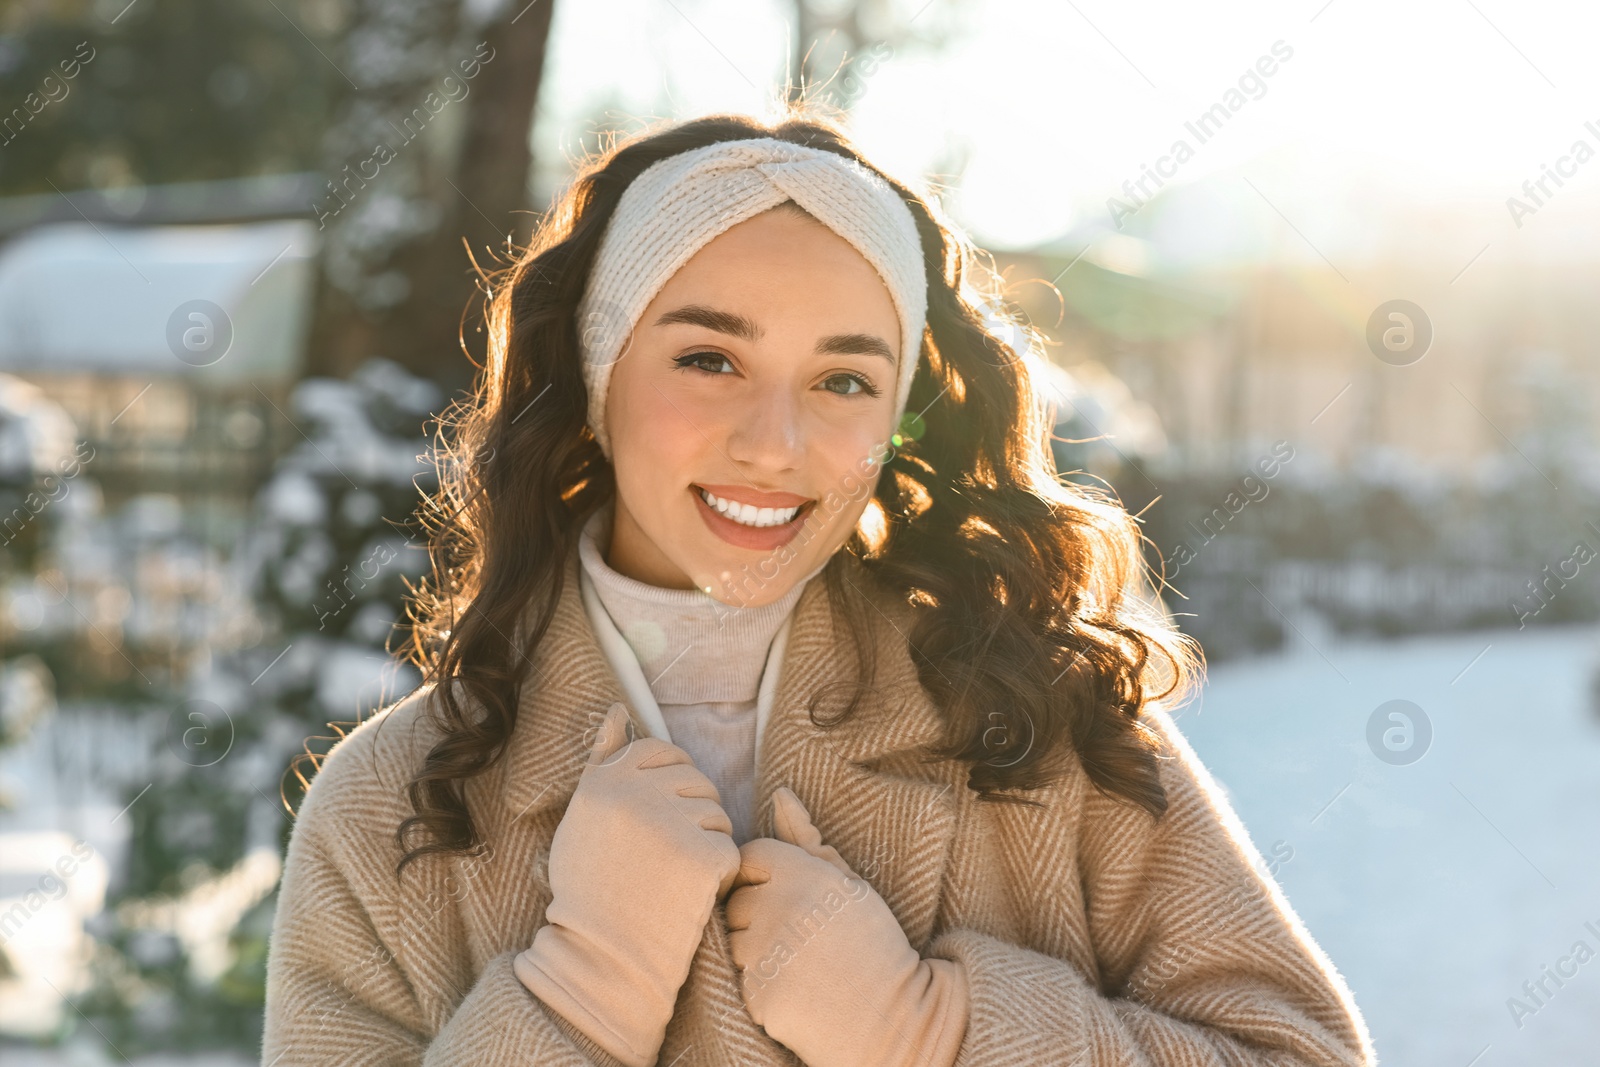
762 374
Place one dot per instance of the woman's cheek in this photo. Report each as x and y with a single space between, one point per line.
858 463
651 424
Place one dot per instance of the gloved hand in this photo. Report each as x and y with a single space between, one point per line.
826 968
639 859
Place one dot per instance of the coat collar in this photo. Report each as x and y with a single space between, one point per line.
892 825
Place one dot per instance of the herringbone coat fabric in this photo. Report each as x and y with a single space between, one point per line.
1092 934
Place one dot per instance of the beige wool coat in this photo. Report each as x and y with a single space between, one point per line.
1091 934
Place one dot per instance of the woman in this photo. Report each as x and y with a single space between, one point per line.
924 809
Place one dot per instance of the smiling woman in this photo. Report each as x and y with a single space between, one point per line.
760 373
928 809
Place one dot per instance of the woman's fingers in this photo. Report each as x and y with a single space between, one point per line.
738 911
793 824
683 780
705 813
674 769
758 858
611 736
744 899
662 775
731 862
659 753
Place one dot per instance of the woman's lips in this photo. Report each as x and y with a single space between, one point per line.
758 538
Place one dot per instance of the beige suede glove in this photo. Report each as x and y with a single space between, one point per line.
639 859
826 968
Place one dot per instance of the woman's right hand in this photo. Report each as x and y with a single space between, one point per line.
637 863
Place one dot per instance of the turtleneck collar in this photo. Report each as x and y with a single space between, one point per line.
692 647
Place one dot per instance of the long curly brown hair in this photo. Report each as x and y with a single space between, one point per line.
1035 625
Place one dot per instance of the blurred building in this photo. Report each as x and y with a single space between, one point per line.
1238 341
170 329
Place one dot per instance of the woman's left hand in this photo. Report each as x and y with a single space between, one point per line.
825 967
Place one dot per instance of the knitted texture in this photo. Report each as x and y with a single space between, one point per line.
693 648
1090 933
675 206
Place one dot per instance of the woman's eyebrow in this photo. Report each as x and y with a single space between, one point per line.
710 318
735 325
865 344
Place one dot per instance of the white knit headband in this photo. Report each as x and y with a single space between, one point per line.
677 205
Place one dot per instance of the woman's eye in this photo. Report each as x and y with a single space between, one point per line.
864 386
699 359
842 384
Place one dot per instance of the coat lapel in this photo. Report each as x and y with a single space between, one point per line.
568 689
891 819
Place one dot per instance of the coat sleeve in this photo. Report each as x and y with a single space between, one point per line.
1201 959
335 993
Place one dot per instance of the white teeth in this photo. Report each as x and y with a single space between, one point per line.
746 515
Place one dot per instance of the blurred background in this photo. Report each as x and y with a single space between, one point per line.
1319 284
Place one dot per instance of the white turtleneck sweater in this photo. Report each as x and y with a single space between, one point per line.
703 661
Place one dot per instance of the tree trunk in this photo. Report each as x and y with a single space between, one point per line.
452 104
485 204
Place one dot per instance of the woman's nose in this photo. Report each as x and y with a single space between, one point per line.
767 432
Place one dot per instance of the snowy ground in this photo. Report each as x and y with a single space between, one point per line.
1440 886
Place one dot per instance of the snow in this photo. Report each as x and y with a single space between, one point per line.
50 883
140 283
344 442
36 433
352 678
1438 887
